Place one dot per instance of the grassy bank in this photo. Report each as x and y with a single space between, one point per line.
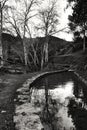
8 85
75 61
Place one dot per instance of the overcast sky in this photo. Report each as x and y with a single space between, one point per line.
64 13
63 20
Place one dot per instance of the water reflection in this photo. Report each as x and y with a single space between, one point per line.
62 99
77 107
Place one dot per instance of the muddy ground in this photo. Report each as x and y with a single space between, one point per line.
9 83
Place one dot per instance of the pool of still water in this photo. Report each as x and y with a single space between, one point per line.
62 98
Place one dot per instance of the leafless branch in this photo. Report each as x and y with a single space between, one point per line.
3 3
59 30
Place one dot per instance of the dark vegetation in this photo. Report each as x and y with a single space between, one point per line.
12 46
78 20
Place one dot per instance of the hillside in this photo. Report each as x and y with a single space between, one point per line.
13 46
56 45
55 42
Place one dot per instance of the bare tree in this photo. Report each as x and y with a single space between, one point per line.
49 19
26 18
19 21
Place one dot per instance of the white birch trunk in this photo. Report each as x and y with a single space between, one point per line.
42 59
1 48
46 52
25 52
84 42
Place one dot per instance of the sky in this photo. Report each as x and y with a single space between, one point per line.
63 19
64 13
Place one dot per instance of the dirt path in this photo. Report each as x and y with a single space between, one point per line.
8 85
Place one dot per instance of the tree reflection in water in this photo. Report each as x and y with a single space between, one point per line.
50 117
49 111
77 108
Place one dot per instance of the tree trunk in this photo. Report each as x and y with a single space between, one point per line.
46 49
84 41
42 60
46 52
25 53
25 49
1 48
35 59
44 56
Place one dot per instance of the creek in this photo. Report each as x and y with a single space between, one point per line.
62 98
